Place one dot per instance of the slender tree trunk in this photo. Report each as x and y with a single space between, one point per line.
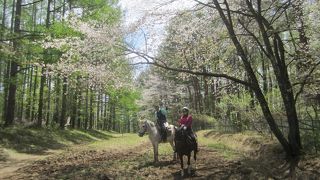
206 98
79 108
264 76
98 108
34 96
13 15
2 56
40 107
57 87
101 111
195 95
43 70
105 118
110 127
4 10
49 102
29 96
64 8
191 97
7 75
114 116
91 120
6 90
87 106
64 103
213 98
74 108
21 109
10 111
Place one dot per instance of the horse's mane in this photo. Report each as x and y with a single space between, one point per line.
152 124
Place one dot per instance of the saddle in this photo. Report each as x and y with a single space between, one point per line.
186 136
165 131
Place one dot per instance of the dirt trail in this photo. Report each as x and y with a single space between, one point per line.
136 163
15 161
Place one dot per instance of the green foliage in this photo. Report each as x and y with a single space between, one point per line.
128 99
100 10
233 105
63 30
311 140
202 121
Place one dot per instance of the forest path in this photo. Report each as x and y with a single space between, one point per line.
135 162
14 161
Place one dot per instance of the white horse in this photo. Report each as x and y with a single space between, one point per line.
155 136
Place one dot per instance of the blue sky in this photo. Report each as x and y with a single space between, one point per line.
154 14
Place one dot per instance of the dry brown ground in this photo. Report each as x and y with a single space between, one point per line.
265 162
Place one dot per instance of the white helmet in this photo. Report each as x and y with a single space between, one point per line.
185 108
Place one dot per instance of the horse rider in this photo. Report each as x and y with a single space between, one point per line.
185 123
161 116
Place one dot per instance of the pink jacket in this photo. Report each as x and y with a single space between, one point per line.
186 121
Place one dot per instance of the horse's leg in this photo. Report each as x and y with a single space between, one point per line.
189 167
195 159
181 163
174 151
155 152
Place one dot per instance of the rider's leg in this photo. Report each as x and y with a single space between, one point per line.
164 135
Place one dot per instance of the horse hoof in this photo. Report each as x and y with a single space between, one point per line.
182 173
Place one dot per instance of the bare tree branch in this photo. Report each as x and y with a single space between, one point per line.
230 10
304 82
155 61
35 2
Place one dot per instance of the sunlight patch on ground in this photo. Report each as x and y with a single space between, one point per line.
118 141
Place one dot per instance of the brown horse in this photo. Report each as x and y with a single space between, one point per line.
184 146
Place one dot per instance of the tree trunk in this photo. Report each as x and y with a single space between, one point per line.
49 102
87 110
254 83
206 98
64 103
213 99
91 120
276 53
10 110
29 96
21 109
4 10
57 86
105 118
79 108
264 76
40 108
114 116
74 108
98 109
34 96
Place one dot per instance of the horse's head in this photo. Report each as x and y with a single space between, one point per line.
180 133
142 128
